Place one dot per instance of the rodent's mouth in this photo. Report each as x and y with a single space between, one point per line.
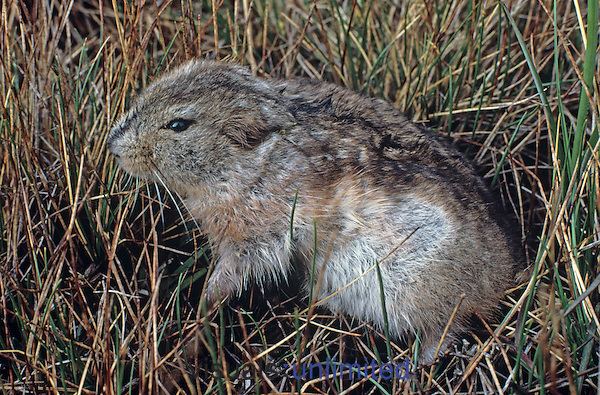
134 168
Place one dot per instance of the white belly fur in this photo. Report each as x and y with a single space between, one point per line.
405 247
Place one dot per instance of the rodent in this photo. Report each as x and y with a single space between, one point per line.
244 152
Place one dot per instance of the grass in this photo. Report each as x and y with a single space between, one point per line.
100 282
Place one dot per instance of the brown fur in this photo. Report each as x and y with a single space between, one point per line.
376 186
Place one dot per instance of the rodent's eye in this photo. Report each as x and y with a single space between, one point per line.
178 124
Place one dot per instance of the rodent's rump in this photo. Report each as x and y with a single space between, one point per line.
244 151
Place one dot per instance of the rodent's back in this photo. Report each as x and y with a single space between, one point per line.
369 135
346 132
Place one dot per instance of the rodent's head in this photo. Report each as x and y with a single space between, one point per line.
197 122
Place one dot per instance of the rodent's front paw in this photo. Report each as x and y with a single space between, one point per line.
219 287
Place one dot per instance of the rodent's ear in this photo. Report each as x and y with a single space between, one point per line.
254 121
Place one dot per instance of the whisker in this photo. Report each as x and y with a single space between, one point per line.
175 202
161 204
158 175
188 210
149 200
128 181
